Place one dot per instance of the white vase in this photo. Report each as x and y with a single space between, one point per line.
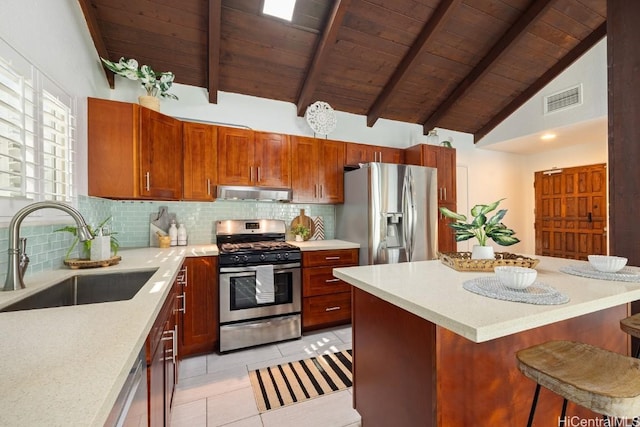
299 238
482 252
150 102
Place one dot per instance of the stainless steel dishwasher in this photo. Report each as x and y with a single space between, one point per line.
130 408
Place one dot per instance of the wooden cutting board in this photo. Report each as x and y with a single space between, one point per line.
306 221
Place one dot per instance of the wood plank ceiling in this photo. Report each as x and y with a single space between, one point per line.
464 65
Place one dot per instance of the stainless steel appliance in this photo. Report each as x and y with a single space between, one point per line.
392 211
130 408
260 283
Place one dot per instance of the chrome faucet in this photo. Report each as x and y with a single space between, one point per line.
18 259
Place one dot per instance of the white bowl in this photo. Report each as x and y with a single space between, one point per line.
606 263
515 277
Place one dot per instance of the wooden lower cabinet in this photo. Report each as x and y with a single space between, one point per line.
162 361
326 300
410 372
199 333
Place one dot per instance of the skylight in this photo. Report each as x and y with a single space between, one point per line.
279 8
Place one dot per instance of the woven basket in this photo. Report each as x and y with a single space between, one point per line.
461 261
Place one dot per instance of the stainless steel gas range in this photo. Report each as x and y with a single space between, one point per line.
260 283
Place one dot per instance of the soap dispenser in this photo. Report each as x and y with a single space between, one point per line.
100 247
182 235
173 234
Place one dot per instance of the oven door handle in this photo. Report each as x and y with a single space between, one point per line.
277 269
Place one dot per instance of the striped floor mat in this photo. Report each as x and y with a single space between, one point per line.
295 382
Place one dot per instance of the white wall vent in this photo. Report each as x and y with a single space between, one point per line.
562 100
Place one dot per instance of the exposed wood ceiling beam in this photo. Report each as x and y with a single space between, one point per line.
213 50
329 37
545 79
434 24
96 35
506 42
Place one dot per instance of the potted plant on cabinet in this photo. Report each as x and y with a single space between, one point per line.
482 228
155 84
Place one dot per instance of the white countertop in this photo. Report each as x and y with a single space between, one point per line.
65 366
324 245
433 291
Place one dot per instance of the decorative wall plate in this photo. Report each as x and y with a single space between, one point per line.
321 118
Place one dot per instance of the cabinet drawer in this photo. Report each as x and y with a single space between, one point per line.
334 257
326 309
320 281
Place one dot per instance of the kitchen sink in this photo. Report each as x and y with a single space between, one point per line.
86 289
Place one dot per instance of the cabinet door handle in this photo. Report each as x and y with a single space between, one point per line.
208 187
184 303
251 173
337 307
258 173
380 156
147 177
444 191
331 257
182 276
320 190
331 280
315 191
172 336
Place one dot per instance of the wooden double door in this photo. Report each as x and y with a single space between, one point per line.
571 211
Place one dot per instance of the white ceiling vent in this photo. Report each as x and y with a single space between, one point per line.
562 100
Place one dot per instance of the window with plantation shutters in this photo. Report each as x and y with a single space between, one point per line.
37 132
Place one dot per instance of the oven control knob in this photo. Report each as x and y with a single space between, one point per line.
235 258
286 255
278 256
245 258
263 257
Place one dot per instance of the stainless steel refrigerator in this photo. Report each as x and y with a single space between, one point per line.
391 211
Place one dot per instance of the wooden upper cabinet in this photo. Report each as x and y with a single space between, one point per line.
160 155
442 158
133 152
113 140
253 158
364 153
200 144
235 156
272 162
317 168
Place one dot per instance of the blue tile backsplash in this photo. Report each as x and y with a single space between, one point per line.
130 220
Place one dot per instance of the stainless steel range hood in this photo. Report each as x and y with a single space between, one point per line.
227 192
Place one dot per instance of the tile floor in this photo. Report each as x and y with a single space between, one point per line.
214 390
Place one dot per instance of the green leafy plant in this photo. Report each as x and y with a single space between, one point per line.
301 230
115 245
156 84
481 227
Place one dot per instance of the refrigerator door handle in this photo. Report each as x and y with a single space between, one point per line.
408 215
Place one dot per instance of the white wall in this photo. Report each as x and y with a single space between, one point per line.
590 70
268 115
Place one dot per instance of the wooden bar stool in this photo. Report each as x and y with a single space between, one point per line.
631 325
605 382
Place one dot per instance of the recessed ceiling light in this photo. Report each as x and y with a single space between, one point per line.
548 136
279 8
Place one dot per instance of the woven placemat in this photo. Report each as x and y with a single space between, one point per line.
585 270
537 293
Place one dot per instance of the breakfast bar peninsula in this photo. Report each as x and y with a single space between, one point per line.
428 352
